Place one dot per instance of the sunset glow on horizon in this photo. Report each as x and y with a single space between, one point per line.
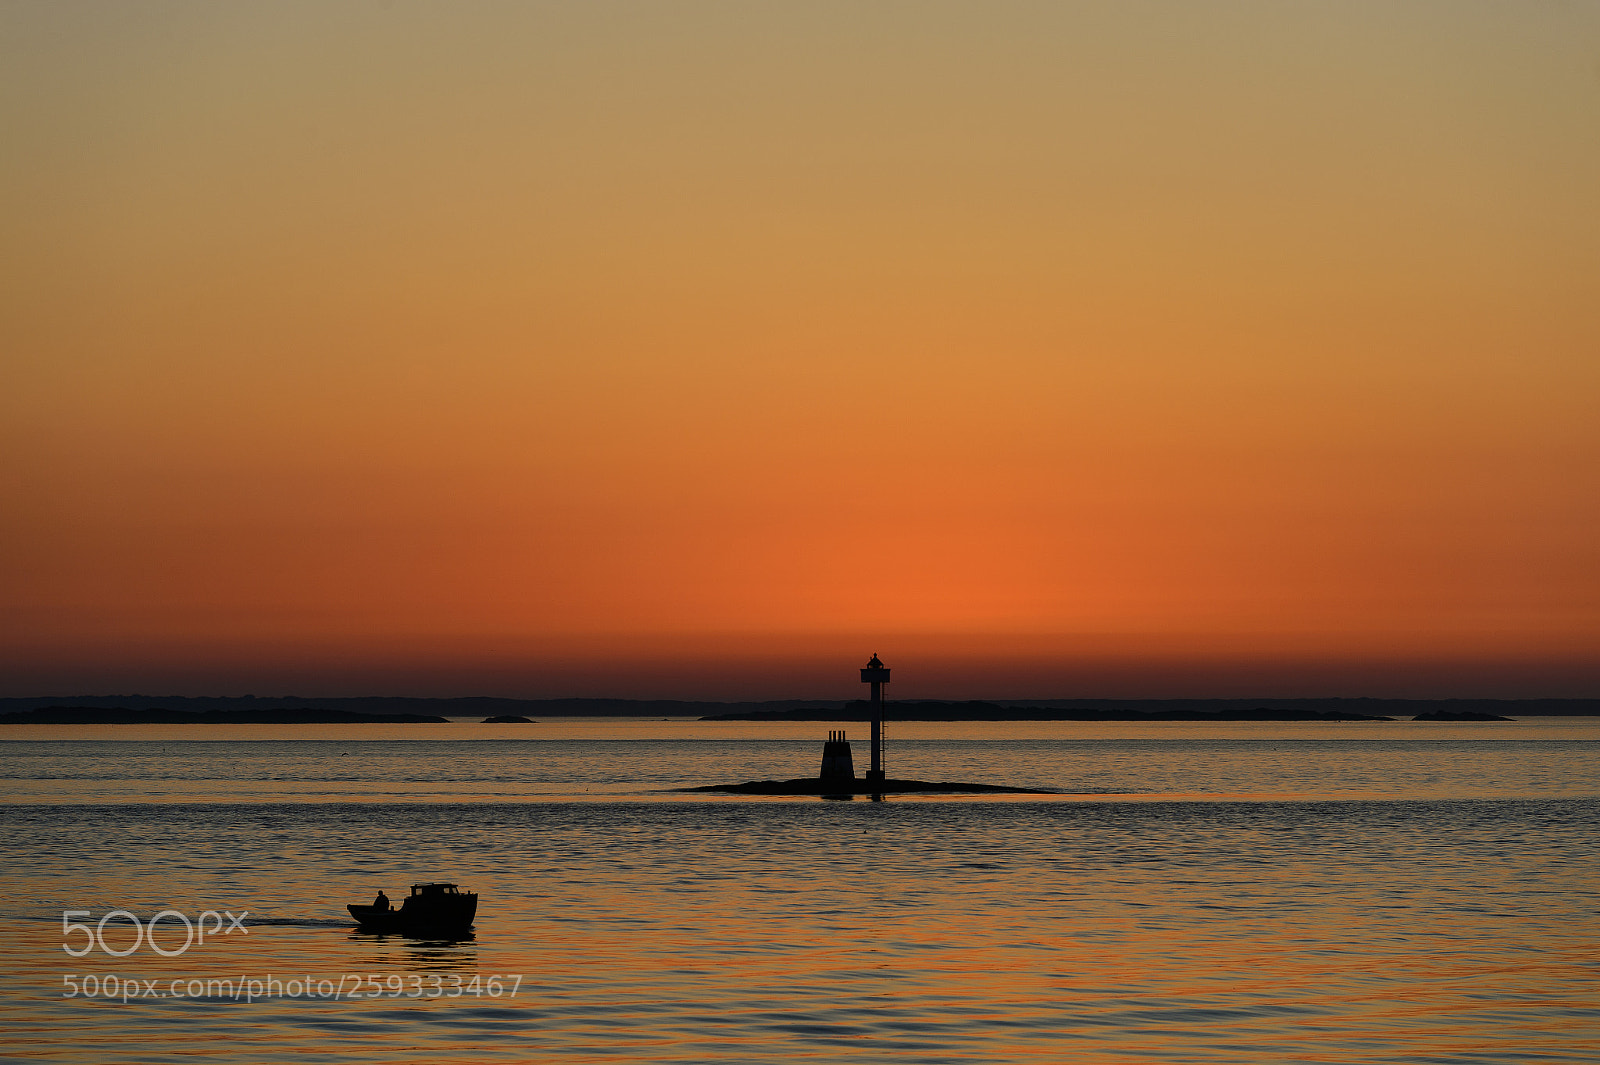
1109 349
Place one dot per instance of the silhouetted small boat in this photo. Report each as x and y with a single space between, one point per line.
430 908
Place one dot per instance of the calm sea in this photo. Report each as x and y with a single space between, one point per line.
1224 893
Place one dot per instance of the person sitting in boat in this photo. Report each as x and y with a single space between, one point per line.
381 902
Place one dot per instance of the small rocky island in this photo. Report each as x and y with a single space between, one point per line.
827 786
837 778
508 719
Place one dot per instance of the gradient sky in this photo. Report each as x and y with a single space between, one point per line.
703 349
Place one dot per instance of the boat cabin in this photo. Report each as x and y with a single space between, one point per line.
433 889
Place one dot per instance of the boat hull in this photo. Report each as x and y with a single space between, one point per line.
445 915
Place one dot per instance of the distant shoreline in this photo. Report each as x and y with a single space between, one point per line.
95 715
993 712
146 709
1443 710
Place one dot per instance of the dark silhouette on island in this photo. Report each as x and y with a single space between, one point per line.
507 719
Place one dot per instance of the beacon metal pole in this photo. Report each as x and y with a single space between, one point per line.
877 675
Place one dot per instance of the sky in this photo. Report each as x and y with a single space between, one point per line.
702 349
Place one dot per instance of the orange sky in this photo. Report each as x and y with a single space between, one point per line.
1146 348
